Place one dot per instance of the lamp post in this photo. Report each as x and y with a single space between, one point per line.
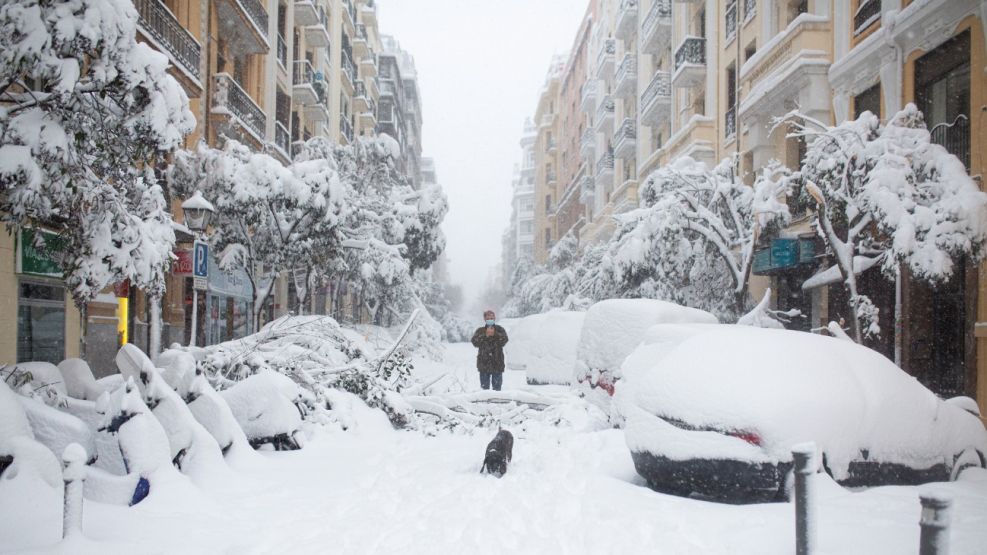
198 211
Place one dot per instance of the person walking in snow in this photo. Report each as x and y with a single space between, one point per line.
490 340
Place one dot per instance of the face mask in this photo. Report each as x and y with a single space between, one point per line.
490 322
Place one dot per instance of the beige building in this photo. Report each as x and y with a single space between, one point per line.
546 162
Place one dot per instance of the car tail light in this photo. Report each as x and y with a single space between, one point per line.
749 437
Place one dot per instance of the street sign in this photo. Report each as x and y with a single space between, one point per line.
200 265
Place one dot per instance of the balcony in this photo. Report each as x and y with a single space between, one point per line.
625 140
317 35
303 83
361 47
656 29
588 143
368 13
243 23
306 13
626 78
349 71
587 101
604 60
690 63
656 102
552 147
233 105
587 188
282 140
159 25
360 100
626 19
730 123
730 23
604 167
550 177
349 15
368 117
368 65
604 115
316 112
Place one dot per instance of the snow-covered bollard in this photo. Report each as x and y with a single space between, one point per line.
74 474
936 509
803 456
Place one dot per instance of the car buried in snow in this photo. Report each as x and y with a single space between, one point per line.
714 411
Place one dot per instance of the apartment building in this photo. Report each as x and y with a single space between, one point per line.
546 162
399 111
519 237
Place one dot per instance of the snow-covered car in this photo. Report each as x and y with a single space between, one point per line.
544 346
715 412
613 328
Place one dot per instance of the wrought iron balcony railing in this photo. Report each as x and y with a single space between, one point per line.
303 74
661 11
691 51
281 138
161 25
660 86
229 95
256 12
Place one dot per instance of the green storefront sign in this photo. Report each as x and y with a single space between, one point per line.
39 261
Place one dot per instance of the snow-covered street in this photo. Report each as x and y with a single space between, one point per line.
372 489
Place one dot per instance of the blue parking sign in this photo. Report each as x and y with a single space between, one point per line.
200 260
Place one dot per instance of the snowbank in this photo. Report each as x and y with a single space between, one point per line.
544 346
786 387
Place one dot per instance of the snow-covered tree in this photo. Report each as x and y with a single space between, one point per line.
269 219
889 195
85 113
692 240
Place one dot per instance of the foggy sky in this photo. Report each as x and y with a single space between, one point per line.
481 64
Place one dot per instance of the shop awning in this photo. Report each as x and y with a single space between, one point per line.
832 274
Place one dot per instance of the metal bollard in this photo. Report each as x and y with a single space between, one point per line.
935 523
73 474
805 517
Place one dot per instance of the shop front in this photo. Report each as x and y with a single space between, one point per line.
228 305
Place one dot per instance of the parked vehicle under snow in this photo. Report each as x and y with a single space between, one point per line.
715 411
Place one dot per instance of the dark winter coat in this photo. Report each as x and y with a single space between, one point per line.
490 357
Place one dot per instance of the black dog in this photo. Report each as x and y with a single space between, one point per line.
498 454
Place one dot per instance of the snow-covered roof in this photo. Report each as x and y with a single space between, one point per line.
832 274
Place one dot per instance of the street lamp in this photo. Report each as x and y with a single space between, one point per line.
198 211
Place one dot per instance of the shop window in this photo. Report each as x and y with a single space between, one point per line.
868 101
40 322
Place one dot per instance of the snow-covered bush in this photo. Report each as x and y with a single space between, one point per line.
86 111
888 193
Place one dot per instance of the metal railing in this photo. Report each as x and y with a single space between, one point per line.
627 130
661 85
661 10
282 51
605 109
605 163
347 64
281 138
627 67
162 26
607 49
345 127
691 51
303 74
256 12
348 4
360 89
730 123
750 9
229 95
730 26
954 137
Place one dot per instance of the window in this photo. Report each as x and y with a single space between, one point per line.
699 23
750 50
797 8
40 322
868 12
942 92
868 101
527 227
548 238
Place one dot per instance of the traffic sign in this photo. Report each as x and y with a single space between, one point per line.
200 265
